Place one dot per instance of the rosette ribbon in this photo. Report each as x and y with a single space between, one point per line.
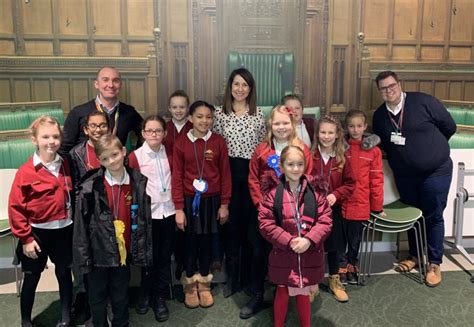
272 162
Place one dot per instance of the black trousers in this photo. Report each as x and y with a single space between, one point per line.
156 278
334 244
237 247
109 283
351 238
198 254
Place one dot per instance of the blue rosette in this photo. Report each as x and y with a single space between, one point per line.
273 162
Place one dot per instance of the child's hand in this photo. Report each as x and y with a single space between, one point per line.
300 244
180 219
331 199
383 214
30 250
223 214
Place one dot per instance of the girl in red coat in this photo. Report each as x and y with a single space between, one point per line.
331 165
265 164
295 220
201 189
40 214
366 161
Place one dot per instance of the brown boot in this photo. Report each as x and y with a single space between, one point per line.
433 277
204 290
337 289
191 299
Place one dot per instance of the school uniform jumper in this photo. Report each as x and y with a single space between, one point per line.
207 159
340 182
49 225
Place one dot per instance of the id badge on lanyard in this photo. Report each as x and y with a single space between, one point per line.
397 138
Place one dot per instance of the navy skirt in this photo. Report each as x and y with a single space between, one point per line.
206 221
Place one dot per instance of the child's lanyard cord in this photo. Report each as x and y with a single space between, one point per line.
295 210
329 173
200 169
116 205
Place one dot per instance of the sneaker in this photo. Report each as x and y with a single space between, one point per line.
161 310
343 275
433 276
252 307
337 289
352 274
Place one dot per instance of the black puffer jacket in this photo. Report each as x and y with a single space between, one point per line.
94 242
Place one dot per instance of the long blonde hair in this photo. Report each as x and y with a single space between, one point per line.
338 144
292 138
44 120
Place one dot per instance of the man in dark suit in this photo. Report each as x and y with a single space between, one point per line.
123 117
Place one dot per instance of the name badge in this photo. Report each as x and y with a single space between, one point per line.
397 138
200 185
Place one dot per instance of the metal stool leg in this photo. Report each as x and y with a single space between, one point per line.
363 253
18 278
417 241
371 250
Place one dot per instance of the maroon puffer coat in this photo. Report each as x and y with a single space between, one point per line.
286 267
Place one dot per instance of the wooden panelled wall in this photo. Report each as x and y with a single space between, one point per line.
338 46
52 49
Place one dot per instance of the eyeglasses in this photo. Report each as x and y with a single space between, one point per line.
390 87
93 126
150 132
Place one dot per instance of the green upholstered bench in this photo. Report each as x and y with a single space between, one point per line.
20 115
13 153
462 141
462 113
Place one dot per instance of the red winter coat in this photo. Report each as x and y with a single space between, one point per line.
368 173
285 267
341 182
258 167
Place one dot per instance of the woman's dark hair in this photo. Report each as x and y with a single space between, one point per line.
383 75
154 118
251 98
200 103
179 93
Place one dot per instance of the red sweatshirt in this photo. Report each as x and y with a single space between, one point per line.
37 197
216 171
172 135
341 180
258 167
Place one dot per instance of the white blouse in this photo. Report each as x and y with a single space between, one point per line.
155 166
242 133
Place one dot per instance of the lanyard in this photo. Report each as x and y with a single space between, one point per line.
331 160
295 211
99 108
116 205
200 170
160 169
397 126
69 201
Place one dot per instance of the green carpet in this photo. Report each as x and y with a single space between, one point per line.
388 300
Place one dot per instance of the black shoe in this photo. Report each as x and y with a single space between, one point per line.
252 307
143 304
161 310
80 303
352 274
